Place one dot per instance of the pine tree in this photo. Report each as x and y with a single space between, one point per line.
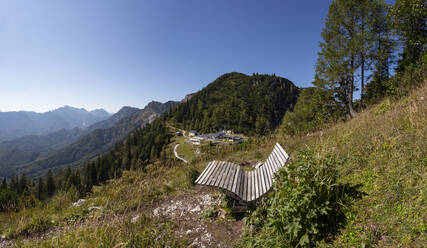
383 50
4 184
355 37
336 62
409 19
40 189
23 184
50 184
14 186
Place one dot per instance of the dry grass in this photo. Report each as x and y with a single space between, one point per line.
385 151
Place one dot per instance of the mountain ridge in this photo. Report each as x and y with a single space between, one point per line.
16 124
92 141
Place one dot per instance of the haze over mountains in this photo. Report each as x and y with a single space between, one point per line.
34 154
17 124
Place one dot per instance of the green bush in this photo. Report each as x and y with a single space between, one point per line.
305 207
9 200
314 109
192 174
37 225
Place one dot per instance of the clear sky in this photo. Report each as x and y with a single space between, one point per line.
113 53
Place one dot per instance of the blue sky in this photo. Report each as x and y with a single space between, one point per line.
108 54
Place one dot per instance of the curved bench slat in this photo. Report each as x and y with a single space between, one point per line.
204 174
240 184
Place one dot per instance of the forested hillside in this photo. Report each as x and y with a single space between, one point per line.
98 139
356 176
245 104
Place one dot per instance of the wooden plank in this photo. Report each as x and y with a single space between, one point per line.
283 155
220 174
279 159
245 186
263 180
233 178
283 151
260 186
236 181
250 186
269 173
282 158
275 161
267 179
256 190
253 193
227 175
239 183
229 180
205 172
242 183
249 193
260 180
279 156
272 164
215 174
210 178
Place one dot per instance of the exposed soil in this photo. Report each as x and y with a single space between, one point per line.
188 210
250 164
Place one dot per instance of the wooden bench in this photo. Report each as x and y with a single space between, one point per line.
242 185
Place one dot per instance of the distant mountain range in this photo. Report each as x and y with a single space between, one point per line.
17 124
36 154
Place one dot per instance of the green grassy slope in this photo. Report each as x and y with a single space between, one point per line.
383 149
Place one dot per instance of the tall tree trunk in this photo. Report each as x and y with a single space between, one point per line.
351 89
362 89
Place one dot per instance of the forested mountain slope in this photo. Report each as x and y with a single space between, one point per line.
255 105
245 104
378 161
98 139
27 149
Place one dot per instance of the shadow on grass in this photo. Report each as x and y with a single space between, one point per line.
343 195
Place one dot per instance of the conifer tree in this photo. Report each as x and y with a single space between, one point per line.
23 184
409 19
50 184
382 54
14 184
351 35
40 189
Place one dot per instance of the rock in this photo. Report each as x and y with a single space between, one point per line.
156 212
94 208
79 203
196 209
3 237
135 219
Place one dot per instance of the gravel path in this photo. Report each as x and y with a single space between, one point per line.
177 156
